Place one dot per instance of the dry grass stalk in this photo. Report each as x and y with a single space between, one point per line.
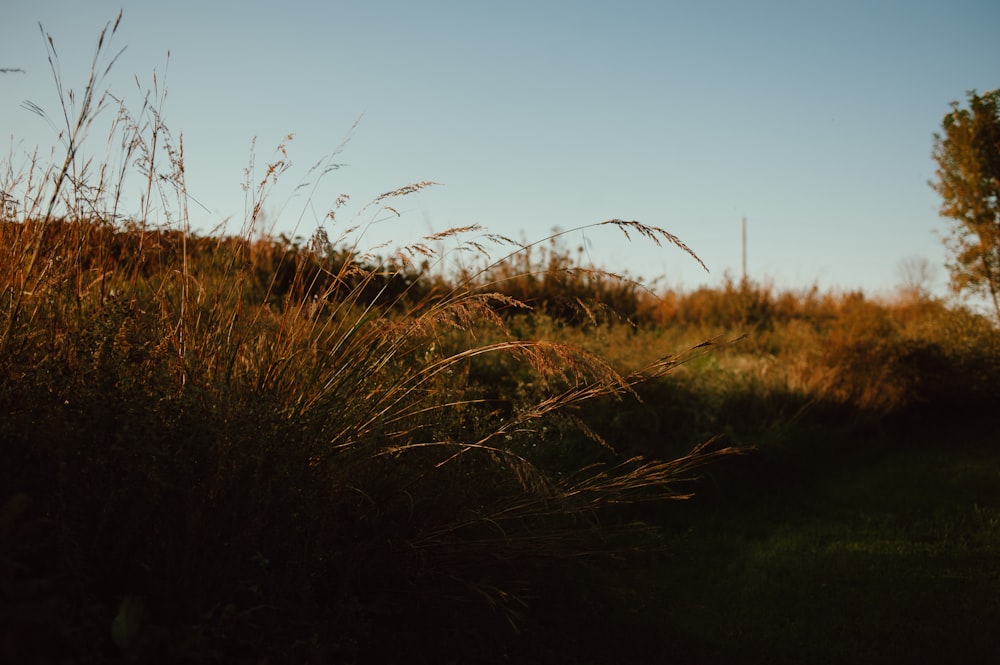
333 375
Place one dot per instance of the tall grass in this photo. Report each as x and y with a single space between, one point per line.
216 445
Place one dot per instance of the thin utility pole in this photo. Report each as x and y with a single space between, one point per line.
744 250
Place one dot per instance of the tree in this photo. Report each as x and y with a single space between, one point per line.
916 275
968 180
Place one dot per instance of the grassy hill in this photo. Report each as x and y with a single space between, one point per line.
218 449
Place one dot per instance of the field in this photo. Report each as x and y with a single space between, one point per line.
253 448
253 468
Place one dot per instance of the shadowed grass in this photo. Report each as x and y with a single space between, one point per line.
843 548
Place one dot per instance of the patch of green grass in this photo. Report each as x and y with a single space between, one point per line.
818 557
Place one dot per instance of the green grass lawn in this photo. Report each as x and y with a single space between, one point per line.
878 548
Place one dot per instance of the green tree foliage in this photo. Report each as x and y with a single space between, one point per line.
968 180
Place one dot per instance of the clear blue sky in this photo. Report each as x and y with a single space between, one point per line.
814 119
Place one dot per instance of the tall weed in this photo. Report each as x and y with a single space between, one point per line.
237 442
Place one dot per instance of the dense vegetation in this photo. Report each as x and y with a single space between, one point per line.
215 449
267 449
